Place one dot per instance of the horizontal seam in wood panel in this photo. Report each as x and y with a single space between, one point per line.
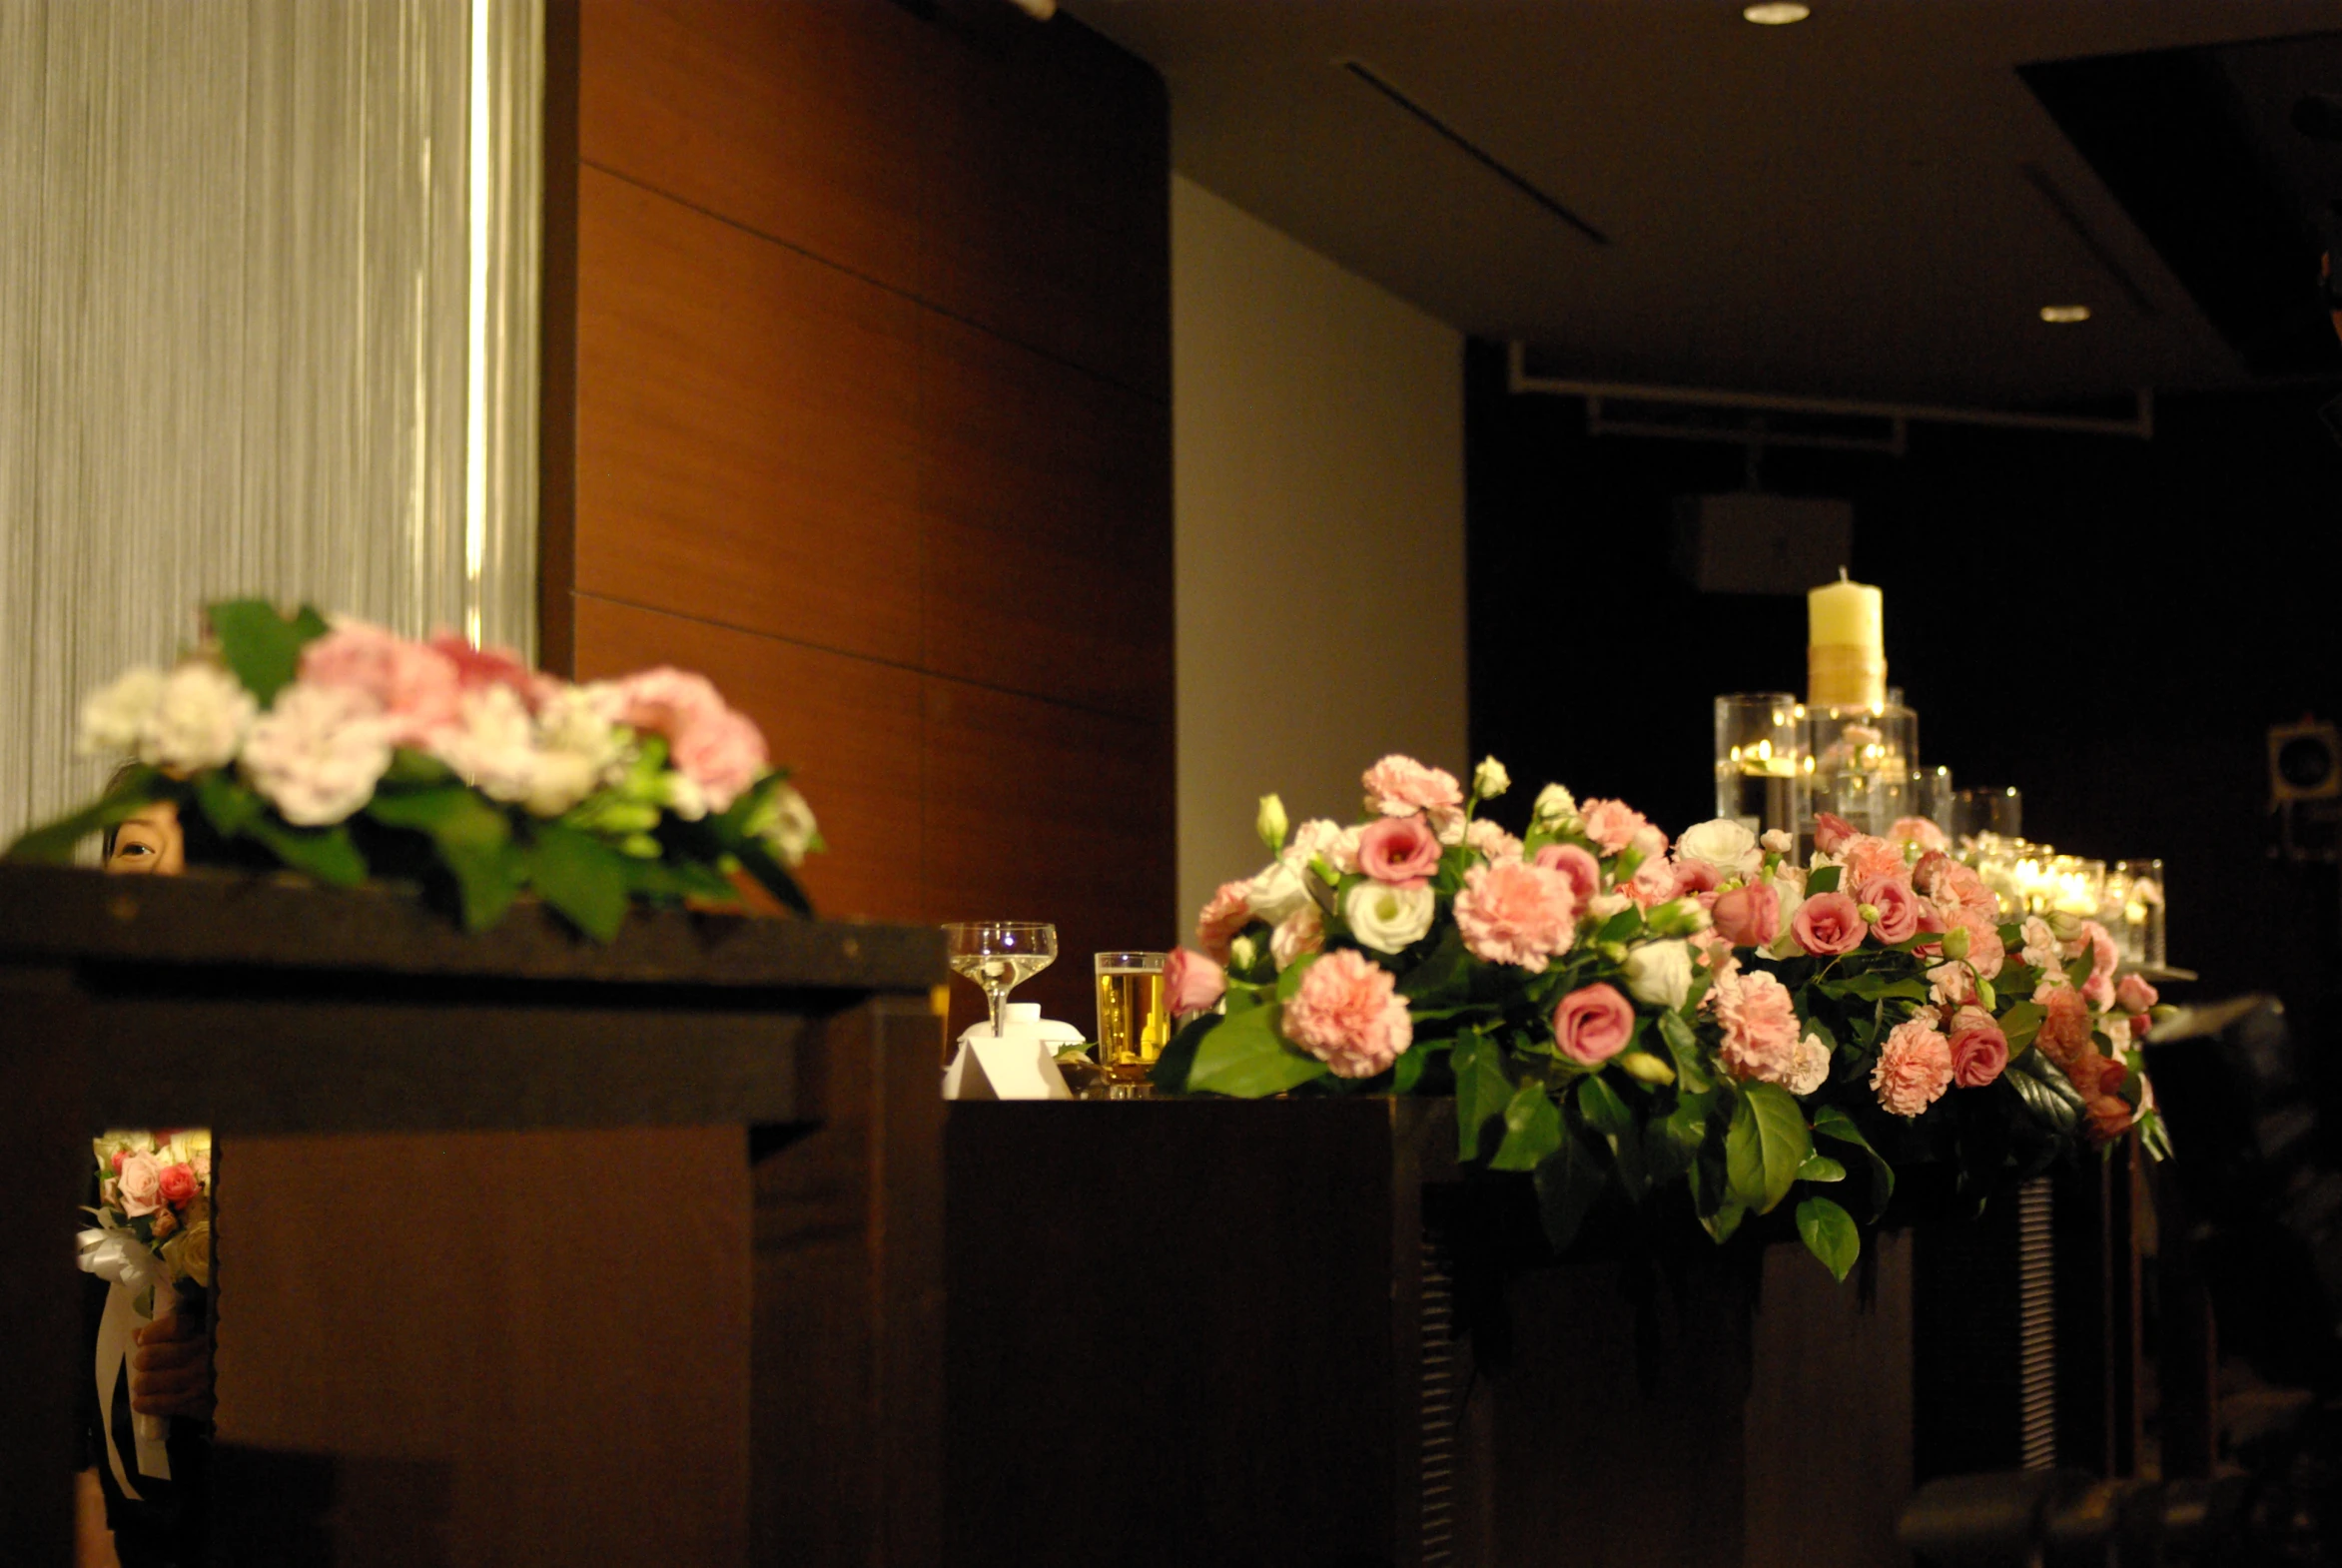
1090 708
1161 401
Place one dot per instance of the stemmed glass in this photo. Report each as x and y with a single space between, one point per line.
998 955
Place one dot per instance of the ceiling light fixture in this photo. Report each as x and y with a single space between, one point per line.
1776 13
2066 313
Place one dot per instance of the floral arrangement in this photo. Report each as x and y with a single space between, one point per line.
1702 1024
152 1242
344 751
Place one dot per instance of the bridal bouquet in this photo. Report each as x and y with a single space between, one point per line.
152 1241
1700 1025
344 751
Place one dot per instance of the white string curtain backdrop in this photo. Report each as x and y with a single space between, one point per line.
255 281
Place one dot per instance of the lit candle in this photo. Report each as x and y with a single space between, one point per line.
1846 652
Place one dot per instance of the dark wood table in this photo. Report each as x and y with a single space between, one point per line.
503 1220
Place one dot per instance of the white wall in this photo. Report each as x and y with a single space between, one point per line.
1318 490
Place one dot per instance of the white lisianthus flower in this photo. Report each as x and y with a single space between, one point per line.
1659 972
1809 1069
1728 846
1388 918
2117 1036
114 716
1489 779
318 753
786 825
580 748
1277 891
1269 823
1555 808
1604 905
1321 839
680 793
200 721
493 743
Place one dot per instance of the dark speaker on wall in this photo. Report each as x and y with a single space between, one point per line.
1750 541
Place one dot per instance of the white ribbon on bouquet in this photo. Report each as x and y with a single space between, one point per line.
136 1274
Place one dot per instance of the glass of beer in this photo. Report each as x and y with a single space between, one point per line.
1134 1021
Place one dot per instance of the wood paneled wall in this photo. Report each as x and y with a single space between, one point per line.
856 400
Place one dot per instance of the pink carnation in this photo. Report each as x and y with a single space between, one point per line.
416 688
1866 859
1914 1067
2097 993
1593 1023
1400 786
1613 824
1896 906
1920 831
1582 869
1229 912
1827 923
1402 851
1979 1049
719 750
2065 1034
1349 1014
1760 1026
479 667
1750 915
1516 913
1191 982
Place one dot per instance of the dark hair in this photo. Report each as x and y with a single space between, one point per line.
200 843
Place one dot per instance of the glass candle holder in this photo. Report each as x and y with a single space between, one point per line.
1976 811
2143 909
2075 886
1760 760
1862 762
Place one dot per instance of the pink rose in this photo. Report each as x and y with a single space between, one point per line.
1613 824
2135 994
416 688
1750 915
1191 982
1400 786
2097 993
1914 1067
1827 923
141 1183
1760 1025
1402 851
1349 1014
1920 831
1593 1023
1979 1049
2065 1034
1831 831
1516 913
176 1184
1229 912
1582 869
1895 907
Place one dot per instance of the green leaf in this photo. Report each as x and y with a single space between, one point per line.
1171 1070
583 879
771 875
1829 1233
1482 1089
411 767
1833 1123
328 855
54 842
1765 1145
475 842
1289 983
1243 997
1442 975
2020 1023
2046 1092
1821 1167
1568 1185
1872 985
1691 1064
1407 1071
1620 926
1602 1110
1823 880
1532 1130
1246 1058
1724 1222
229 807
262 647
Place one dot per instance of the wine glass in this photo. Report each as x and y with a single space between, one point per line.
998 955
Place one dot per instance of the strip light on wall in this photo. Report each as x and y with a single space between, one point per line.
476 436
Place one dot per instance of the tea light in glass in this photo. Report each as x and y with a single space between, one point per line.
1760 760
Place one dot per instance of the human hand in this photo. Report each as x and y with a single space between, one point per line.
170 1369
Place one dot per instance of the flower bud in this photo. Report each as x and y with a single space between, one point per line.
1955 943
1643 1067
1555 806
1986 997
1271 823
1244 953
1615 952
1869 913
1489 780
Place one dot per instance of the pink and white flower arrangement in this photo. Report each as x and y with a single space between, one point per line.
341 749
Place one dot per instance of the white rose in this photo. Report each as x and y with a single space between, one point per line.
1659 972
1277 891
1727 845
1809 1069
199 722
1554 807
114 716
318 754
1489 780
1388 919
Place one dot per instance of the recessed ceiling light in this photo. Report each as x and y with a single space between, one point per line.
1776 13
2066 313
